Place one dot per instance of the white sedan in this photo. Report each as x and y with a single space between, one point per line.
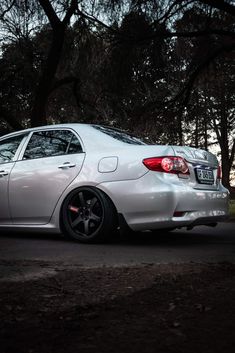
87 180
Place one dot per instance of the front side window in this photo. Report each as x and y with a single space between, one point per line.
8 148
52 143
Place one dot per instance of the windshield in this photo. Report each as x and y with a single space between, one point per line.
120 135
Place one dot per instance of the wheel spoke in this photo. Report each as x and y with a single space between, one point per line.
81 199
86 226
93 202
76 221
94 217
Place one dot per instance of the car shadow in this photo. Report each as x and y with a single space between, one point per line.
22 234
174 238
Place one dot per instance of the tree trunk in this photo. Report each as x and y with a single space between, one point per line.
9 119
205 135
38 114
196 132
180 131
225 171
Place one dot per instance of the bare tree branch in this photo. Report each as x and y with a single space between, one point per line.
184 94
221 5
50 12
7 10
96 20
70 11
159 34
45 84
168 34
216 128
186 91
232 154
169 13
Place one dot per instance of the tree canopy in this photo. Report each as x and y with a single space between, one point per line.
163 68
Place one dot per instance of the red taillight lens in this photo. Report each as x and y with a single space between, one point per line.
167 164
219 172
175 165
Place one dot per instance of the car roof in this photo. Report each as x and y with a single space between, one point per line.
92 138
52 126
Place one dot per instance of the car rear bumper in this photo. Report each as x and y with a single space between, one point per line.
155 201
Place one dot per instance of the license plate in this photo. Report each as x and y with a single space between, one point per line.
205 176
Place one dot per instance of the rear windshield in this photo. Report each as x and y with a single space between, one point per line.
120 135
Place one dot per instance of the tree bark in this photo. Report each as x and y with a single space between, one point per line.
196 131
205 135
225 169
38 115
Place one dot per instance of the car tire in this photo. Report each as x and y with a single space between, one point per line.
88 216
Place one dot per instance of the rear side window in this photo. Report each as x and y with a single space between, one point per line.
74 145
119 135
52 143
8 148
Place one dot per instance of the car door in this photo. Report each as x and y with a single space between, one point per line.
8 153
49 163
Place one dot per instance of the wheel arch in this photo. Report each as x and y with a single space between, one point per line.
89 187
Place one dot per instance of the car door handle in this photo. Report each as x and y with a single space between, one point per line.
3 173
67 165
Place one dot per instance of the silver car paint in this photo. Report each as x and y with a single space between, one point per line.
4 179
146 199
39 183
150 202
5 170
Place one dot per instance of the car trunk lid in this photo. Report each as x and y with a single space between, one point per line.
196 155
203 166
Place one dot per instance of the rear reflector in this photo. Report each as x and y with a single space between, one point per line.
178 214
169 164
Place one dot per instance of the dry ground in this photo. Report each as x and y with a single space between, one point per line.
159 308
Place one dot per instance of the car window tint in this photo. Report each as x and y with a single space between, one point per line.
49 143
74 146
8 148
120 135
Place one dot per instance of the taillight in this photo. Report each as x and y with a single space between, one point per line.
219 172
171 164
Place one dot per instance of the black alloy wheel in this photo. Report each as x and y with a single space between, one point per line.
88 215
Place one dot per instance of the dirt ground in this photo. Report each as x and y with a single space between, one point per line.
152 308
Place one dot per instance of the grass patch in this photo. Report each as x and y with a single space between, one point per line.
232 208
